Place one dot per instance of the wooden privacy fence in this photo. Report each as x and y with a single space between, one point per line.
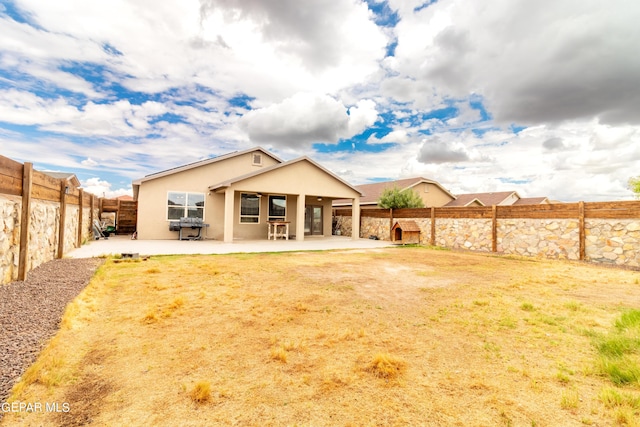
22 181
580 212
126 213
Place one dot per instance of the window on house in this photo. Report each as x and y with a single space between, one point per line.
249 208
277 208
256 159
183 204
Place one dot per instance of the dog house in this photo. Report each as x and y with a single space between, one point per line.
405 232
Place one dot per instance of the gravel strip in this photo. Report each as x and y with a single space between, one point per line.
30 313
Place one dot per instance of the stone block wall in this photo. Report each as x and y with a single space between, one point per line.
464 233
378 227
613 241
87 233
71 228
610 241
43 233
10 211
547 238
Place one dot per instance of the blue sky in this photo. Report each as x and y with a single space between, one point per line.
541 98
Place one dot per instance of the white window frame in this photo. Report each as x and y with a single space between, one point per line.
241 216
276 218
186 205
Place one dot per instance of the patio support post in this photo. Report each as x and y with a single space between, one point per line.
229 196
300 217
355 218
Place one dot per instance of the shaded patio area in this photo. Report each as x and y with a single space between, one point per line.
116 245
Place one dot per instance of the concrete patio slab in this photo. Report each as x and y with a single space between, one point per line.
116 245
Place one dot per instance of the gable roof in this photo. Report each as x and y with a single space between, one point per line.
532 201
487 199
70 177
203 163
371 192
271 168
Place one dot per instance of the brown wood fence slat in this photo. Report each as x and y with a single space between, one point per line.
41 179
551 211
10 168
17 179
46 194
605 210
10 185
10 177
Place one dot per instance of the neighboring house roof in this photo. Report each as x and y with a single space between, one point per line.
202 163
486 199
532 201
371 192
72 178
230 182
124 197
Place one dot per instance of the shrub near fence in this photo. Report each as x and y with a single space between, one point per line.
603 232
41 218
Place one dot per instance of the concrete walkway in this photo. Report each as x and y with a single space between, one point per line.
116 245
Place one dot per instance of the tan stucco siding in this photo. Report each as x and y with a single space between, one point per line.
432 195
152 195
298 178
509 200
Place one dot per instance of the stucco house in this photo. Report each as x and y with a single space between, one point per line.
498 198
431 192
238 193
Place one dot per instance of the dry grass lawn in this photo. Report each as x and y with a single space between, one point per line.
398 336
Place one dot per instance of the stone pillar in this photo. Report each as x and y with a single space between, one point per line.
229 196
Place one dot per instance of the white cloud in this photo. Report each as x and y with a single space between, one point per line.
533 63
316 71
89 162
102 188
306 118
395 137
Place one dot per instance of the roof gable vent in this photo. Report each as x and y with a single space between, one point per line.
256 159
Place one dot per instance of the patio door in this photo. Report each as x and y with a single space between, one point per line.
313 221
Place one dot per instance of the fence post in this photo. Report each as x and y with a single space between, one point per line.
581 232
91 215
25 220
433 226
63 217
80 217
494 228
390 223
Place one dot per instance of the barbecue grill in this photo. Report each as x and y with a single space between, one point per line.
188 224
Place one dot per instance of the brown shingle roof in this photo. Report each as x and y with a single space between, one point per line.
371 192
531 201
487 199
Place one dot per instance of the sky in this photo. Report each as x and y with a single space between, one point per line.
539 97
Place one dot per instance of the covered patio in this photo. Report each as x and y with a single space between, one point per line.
117 245
297 194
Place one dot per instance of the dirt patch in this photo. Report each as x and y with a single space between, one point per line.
85 401
383 281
